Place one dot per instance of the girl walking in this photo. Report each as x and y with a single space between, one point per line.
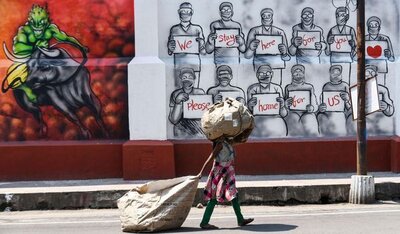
221 184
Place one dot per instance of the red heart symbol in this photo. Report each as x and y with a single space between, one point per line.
374 52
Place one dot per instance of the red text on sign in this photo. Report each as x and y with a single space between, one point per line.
339 42
266 107
267 45
334 101
297 101
308 40
194 106
229 40
185 45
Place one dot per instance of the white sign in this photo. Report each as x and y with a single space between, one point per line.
196 106
341 44
309 38
231 94
371 98
186 45
268 44
226 38
375 49
333 101
266 104
301 99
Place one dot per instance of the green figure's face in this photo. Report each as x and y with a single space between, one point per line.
39 20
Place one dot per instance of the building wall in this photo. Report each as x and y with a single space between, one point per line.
154 150
299 142
309 122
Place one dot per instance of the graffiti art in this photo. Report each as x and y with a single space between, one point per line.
63 69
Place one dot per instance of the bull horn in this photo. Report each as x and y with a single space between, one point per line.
13 57
50 53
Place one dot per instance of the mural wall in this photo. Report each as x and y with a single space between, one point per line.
63 69
292 62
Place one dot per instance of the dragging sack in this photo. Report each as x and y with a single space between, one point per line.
158 205
229 118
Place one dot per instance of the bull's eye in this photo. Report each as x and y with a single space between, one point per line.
44 67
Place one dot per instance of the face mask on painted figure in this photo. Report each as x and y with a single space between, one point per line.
298 77
307 18
336 76
187 81
341 18
267 19
185 15
226 13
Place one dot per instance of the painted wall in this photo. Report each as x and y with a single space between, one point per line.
314 106
78 102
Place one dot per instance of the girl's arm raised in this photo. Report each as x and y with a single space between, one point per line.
213 154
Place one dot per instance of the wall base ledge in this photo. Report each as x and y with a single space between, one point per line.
162 159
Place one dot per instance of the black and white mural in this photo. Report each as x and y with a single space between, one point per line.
292 62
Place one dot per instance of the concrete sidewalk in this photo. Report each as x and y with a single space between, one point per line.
253 190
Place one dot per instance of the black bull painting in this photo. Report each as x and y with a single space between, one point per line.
59 81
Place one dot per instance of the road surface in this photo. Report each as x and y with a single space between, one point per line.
333 218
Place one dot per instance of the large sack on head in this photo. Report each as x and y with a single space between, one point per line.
158 205
229 118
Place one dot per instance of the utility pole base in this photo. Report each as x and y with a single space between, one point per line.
362 189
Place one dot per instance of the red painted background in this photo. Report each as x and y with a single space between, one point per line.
106 27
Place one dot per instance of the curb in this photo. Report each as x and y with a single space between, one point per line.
248 195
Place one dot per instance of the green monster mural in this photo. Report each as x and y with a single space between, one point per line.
37 32
47 75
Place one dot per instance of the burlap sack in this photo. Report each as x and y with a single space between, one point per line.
157 205
229 118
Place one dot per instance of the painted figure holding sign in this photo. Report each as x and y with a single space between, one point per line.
226 38
378 49
186 43
224 76
307 40
185 127
333 123
342 42
276 61
378 122
302 102
269 113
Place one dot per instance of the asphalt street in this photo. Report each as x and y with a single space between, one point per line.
334 218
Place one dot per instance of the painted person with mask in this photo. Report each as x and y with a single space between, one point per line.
226 56
334 123
276 62
184 127
378 122
306 56
301 123
186 28
272 125
224 76
374 27
341 29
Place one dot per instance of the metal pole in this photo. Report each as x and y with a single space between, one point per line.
361 124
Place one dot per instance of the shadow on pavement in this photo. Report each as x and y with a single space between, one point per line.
272 227
187 229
